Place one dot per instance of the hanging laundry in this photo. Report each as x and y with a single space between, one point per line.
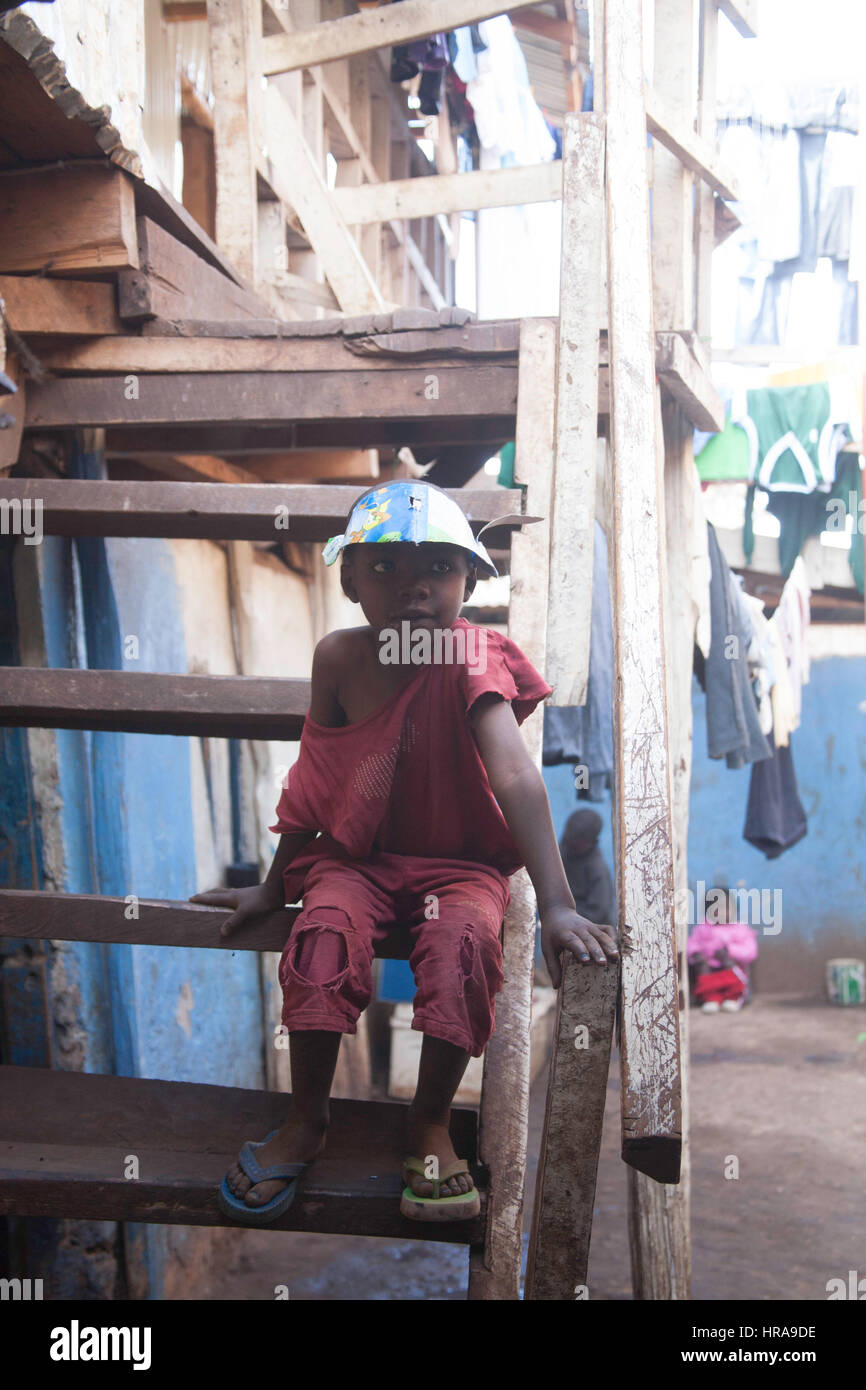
583 734
510 124
733 725
792 618
804 514
839 177
775 819
795 433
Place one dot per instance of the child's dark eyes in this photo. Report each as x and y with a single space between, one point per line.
387 566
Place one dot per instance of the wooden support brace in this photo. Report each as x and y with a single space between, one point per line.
571 1138
577 389
233 34
494 1269
651 1100
743 14
304 187
379 28
692 150
442 193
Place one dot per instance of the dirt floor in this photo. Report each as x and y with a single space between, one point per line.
780 1086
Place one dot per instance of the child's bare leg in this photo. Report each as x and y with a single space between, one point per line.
439 1074
302 1136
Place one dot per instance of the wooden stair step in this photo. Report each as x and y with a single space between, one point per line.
44 916
142 702
185 1136
242 511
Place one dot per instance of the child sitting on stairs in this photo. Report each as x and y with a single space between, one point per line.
413 800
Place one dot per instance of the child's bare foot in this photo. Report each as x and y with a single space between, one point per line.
297 1141
425 1139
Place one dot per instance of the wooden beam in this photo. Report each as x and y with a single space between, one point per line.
84 507
547 26
443 193
707 214
494 1268
194 468
743 14
577 388
280 397
199 172
87 917
571 1137
651 1096
145 703
68 308
685 380
66 1136
234 28
380 28
173 283
68 219
673 196
305 189
692 150
377 352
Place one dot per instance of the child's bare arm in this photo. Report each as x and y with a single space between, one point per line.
518 787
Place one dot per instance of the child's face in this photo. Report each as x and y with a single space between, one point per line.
424 584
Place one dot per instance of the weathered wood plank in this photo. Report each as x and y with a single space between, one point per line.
234 30
706 235
684 379
692 150
66 1137
172 282
66 220
494 1269
220 398
673 184
62 307
577 390
316 434
651 1099
85 507
148 703
360 33
133 354
303 187
152 922
425 197
571 1138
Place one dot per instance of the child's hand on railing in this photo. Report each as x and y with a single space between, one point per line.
247 903
564 929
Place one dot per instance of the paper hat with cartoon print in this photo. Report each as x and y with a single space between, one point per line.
411 511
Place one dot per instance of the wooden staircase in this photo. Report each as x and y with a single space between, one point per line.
66 1137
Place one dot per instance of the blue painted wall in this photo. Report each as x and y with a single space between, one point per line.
127 828
822 879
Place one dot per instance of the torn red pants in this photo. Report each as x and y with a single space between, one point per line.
452 911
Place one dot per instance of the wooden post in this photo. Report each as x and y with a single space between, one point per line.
573 521
234 30
705 220
651 1102
571 1140
494 1270
673 184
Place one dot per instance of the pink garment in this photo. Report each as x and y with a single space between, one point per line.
408 779
708 938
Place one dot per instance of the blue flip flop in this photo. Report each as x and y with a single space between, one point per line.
238 1209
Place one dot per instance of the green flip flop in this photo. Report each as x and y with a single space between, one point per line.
462 1206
